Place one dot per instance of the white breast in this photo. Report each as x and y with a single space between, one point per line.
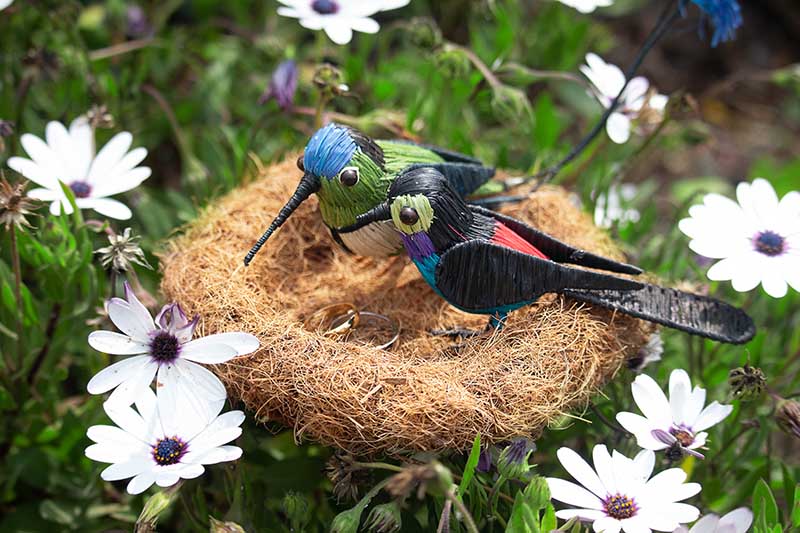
379 239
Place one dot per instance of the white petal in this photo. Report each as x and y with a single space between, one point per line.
774 285
581 471
113 375
652 401
683 513
635 524
127 419
33 171
213 456
365 25
739 519
127 469
711 415
166 479
59 206
189 397
130 389
680 392
313 22
207 353
587 515
60 141
111 435
122 182
221 431
607 525
131 317
572 494
48 161
645 461
618 128
759 199
109 156
641 429
105 453
707 524
116 343
240 343
45 195
605 470
339 31
141 483
635 93
106 206
748 275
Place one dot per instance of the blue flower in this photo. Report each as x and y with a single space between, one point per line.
725 15
282 85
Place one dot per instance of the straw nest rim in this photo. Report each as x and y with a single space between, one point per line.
422 394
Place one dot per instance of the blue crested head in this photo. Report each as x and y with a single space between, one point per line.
725 15
332 147
329 151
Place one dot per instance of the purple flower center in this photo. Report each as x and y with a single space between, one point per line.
80 189
169 450
769 243
164 347
325 7
620 507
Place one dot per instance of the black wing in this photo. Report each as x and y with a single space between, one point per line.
480 276
444 153
465 178
558 251
692 313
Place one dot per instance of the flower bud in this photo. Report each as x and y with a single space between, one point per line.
296 506
513 460
424 33
384 518
346 476
218 526
282 85
154 506
787 415
452 62
747 383
329 80
510 104
347 521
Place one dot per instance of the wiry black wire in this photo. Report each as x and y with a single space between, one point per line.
666 19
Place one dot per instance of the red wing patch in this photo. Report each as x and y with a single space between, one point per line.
505 236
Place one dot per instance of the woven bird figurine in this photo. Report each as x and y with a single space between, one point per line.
486 263
350 174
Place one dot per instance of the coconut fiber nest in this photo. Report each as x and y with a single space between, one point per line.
422 393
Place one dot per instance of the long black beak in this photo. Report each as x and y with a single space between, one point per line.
376 214
308 185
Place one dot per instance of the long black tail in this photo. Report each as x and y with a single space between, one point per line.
692 313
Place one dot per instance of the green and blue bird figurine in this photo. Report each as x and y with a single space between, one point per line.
486 263
350 173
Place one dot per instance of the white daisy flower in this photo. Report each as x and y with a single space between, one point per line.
164 348
737 521
586 6
338 17
161 443
757 239
677 425
615 206
620 494
636 102
69 156
650 353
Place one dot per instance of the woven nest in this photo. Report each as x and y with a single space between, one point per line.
422 393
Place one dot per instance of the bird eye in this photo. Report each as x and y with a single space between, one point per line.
349 177
300 164
409 216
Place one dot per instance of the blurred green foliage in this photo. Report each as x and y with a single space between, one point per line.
186 84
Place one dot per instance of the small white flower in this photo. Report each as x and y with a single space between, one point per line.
586 6
757 239
164 347
161 443
737 521
650 353
615 206
69 156
621 494
636 102
675 424
338 17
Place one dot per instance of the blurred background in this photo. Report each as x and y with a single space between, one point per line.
187 78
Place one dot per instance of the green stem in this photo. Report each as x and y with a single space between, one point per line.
465 515
380 466
18 298
487 73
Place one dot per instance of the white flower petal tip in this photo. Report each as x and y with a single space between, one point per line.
639 109
586 6
755 239
68 156
338 18
620 493
675 424
150 448
737 521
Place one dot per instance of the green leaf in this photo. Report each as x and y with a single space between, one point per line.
469 468
549 521
522 519
765 509
796 507
347 521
